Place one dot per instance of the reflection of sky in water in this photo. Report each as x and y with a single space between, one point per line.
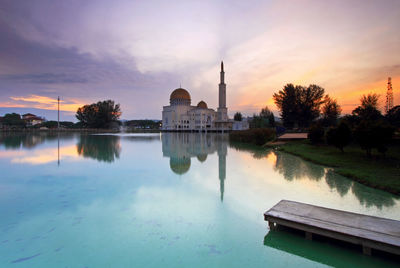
179 200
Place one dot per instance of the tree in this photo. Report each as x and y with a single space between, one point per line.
339 136
99 115
287 102
368 110
54 124
330 111
299 105
237 116
310 101
370 100
144 124
393 116
14 120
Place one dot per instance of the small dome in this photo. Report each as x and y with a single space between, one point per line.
180 94
202 105
202 157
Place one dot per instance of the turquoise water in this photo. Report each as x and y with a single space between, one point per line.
170 200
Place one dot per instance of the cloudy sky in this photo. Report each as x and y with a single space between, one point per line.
137 52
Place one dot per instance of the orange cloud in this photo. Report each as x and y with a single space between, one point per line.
11 105
36 98
43 102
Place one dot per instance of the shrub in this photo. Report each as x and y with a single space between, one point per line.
375 134
339 136
316 133
393 116
258 136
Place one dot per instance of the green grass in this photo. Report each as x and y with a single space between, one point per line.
378 172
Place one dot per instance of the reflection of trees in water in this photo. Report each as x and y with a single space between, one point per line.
148 138
324 251
293 167
16 140
335 181
10 141
256 151
372 197
100 147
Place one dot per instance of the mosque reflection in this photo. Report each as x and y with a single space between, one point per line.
181 147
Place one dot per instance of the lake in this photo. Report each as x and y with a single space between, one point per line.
166 200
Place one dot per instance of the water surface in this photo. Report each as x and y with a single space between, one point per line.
170 200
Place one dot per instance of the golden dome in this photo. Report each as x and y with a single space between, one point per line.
180 94
179 165
202 105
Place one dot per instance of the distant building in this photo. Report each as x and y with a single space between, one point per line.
180 115
241 125
32 119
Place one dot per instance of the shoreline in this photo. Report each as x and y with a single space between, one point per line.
77 130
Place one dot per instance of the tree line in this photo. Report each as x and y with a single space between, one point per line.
309 108
264 119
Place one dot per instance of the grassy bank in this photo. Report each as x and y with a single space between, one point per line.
378 172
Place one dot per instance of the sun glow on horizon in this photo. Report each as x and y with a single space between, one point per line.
43 156
43 102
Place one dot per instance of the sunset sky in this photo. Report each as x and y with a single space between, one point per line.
137 52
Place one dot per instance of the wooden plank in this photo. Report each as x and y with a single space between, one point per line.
293 136
368 231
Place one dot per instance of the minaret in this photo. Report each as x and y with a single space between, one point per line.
58 113
222 110
389 96
221 152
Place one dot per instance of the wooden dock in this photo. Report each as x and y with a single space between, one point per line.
368 231
292 136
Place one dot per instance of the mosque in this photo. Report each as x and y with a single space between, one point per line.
180 115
